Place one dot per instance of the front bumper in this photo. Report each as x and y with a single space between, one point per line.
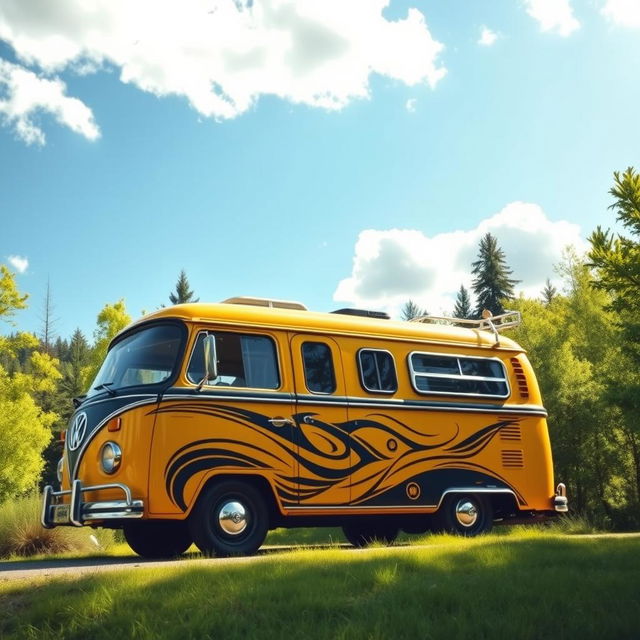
76 512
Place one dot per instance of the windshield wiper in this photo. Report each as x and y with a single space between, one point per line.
105 386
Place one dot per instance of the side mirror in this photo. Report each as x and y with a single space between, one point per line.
210 358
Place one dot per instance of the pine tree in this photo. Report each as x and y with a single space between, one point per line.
47 333
549 292
411 310
492 283
462 308
182 294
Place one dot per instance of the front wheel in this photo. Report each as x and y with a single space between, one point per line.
158 539
465 515
229 519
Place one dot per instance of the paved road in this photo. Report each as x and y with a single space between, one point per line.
19 570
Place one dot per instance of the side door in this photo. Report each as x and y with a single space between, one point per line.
240 423
322 434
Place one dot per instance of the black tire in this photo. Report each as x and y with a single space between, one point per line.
229 519
465 515
159 538
362 534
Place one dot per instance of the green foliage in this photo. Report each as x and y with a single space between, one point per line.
182 294
411 310
616 259
10 298
492 282
462 308
574 346
22 535
111 320
26 430
549 292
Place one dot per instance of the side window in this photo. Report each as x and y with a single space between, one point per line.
243 361
377 371
458 375
318 367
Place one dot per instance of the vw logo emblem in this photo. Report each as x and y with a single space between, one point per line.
77 431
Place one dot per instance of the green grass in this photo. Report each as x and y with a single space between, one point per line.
527 584
21 534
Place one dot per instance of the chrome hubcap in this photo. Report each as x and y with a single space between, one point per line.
466 513
232 518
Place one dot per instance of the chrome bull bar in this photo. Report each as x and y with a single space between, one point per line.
76 512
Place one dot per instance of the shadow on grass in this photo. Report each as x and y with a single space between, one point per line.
491 588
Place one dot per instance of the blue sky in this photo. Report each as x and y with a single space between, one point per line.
359 168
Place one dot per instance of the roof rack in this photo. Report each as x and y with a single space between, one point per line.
495 324
364 313
266 302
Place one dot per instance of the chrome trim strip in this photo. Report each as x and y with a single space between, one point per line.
405 506
378 403
113 510
88 402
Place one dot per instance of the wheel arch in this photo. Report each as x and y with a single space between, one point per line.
258 481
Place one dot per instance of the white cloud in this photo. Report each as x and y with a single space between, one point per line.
487 37
19 263
26 95
222 55
555 16
391 266
411 105
624 13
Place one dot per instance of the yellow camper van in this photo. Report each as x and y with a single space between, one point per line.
213 423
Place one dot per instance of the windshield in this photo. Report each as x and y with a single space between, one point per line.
146 357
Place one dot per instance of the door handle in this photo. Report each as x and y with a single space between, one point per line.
281 422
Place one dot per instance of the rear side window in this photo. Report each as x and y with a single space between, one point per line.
318 367
458 375
243 361
377 371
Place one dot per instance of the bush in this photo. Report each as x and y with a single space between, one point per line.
21 533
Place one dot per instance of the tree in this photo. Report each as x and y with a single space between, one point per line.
462 308
182 294
492 282
616 259
549 292
10 298
411 310
48 322
111 320
25 427
574 347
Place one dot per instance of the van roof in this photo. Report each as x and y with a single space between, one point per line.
327 323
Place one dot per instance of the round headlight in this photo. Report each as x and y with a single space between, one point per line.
59 469
110 457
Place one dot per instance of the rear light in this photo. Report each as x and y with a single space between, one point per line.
63 436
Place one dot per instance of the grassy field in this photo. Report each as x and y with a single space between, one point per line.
528 585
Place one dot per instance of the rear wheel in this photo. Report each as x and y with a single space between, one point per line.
362 534
158 539
229 519
465 514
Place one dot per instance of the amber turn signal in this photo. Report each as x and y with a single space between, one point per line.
114 424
